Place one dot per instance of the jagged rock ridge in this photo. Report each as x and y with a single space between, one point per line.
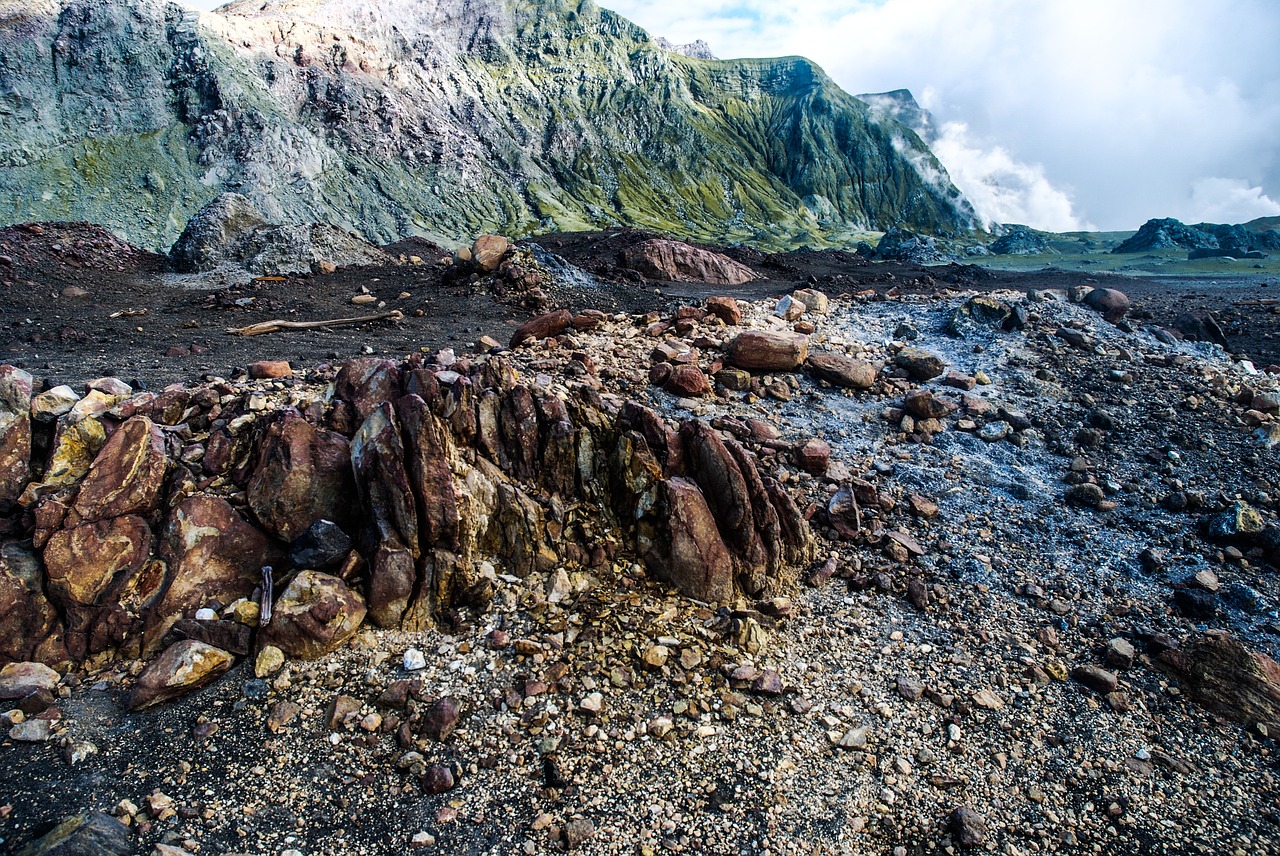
442 119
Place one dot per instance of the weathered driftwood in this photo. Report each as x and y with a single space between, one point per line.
266 327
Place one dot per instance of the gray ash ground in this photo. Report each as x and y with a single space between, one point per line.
890 717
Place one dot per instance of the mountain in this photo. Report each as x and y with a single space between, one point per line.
440 118
901 106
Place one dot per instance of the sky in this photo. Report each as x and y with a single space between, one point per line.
1059 114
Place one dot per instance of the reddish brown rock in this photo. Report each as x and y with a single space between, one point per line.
440 719
82 562
712 466
270 369
29 626
814 457
1112 304
15 433
697 563
303 474
488 252
542 327
672 261
923 404
213 554
316 614
390 513
127 475
183 667
921 365
688 381
426 454
841 370
1222 674
726 309
759 350
366 383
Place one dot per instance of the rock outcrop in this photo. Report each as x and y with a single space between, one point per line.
405 491
326 112
673 261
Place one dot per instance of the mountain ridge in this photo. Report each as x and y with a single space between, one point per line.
441 119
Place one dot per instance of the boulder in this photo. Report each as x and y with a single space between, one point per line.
1111 303
303 474
902 245
183 667
390 539
19 680
82 562
726 309
814 457
698 562
923 404
815 301
983 313
672 261
127 475
714 469
759 350
488 251
1239 523
316 614
15 433
688 381
427 457
89 834
213 554
75 446
323 546
49 405
366 382
542 327
29 624
231 230
841 370
1223 675
921 365
204 242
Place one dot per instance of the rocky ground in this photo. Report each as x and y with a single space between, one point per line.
1038 617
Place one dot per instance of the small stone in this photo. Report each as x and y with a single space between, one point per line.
592 704
440 719
1095 678
577 833
371 722
814 457
1120 653
342 709
282 715
655 656
269 661
921 365
437 779
988 700
414 660
31 731
270 369
968 828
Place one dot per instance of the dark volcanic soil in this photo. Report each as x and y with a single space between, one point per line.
132 320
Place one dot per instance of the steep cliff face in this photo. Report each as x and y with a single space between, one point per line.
441 118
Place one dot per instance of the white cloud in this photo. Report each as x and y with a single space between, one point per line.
1229 200
1002 189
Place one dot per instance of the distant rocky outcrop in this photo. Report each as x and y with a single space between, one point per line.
1021 241
903 245
441 119
1203 240
697 49
230 230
